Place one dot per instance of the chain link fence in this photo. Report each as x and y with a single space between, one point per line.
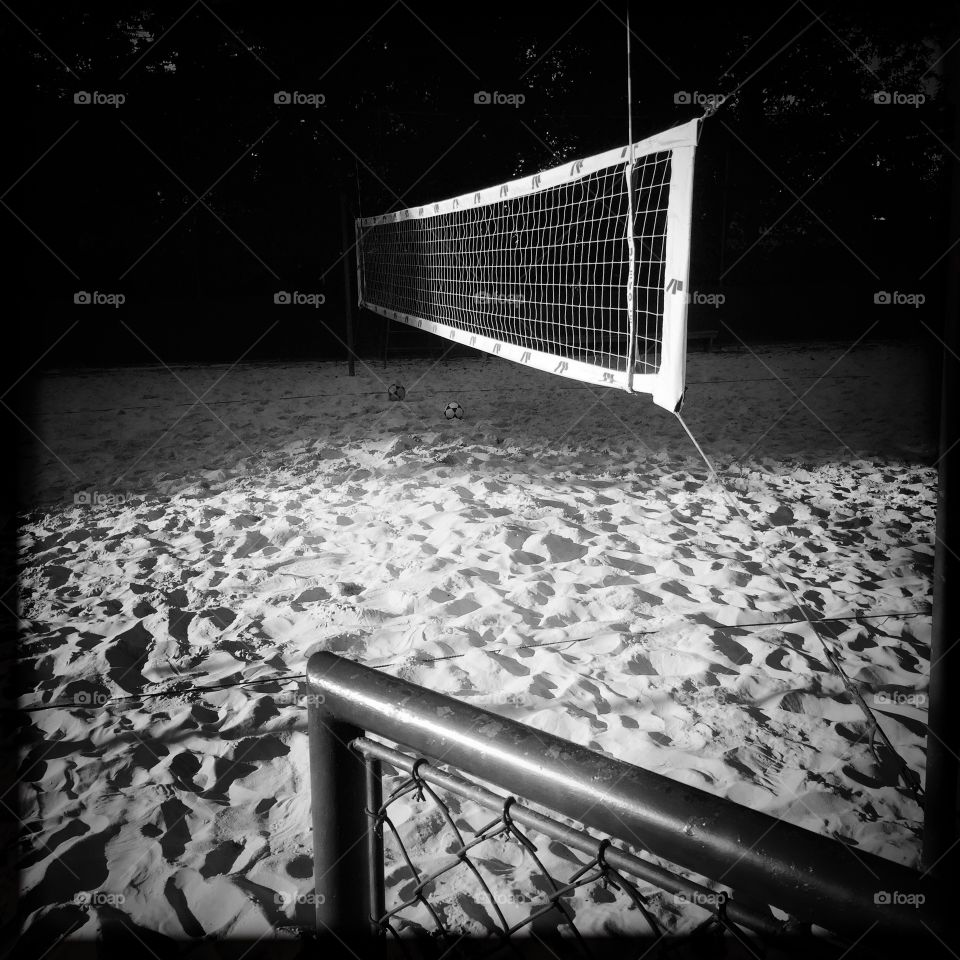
416 860
452 874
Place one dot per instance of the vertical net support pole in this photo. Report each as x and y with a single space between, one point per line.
668 392
628 233
374 790
358 233
347 283
340 825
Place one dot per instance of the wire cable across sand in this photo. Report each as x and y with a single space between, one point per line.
910 778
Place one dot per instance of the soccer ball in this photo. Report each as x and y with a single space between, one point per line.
454 411
396 392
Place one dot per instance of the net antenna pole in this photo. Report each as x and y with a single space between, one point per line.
628 233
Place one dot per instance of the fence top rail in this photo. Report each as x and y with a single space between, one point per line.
813 878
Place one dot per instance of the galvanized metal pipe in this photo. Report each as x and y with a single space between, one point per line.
374 798
813 878
340 825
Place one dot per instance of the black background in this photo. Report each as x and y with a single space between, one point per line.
200 197
103 198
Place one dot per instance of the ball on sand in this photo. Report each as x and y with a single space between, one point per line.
396 391
453 411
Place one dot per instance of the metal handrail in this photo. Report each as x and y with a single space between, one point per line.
815 879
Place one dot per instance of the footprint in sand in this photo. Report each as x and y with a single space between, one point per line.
300 867
509 664
219 860
252 543
736 653
177 899
56 575
630 566
127 656
80 868
177 835
247 754
313 595
556 548
219 617
184 767
526 559
74 828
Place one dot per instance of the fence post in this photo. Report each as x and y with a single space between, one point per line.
374 800
338 791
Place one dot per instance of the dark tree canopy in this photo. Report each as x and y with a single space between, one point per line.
200 196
